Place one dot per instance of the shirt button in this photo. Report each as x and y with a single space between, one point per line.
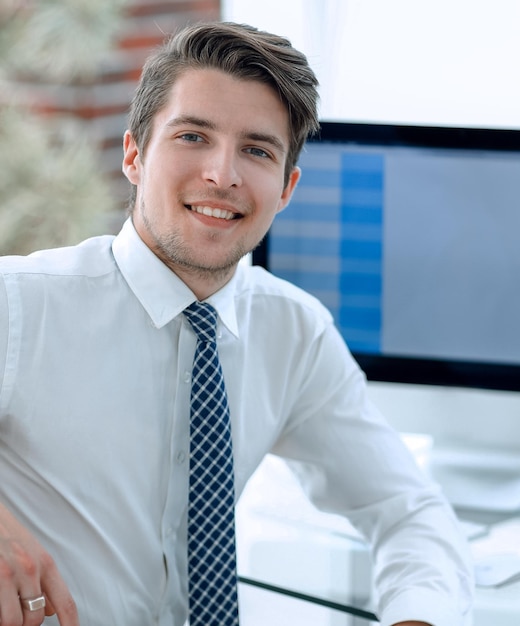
169 531
219 334
181 457
187 376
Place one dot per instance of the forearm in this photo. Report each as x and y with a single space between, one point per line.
423 575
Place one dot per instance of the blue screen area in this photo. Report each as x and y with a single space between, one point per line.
414 249
361 250
329 240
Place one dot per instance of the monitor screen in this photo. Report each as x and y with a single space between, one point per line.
411 237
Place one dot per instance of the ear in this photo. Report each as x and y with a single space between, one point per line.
287 193
131 159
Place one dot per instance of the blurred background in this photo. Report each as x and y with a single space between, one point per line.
68 69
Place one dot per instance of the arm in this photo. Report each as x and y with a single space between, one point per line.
350 462
4 327
28 571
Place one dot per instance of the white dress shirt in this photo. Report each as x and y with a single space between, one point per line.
95 365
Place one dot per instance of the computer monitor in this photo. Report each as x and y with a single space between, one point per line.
411 237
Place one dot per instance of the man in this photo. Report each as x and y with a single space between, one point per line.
97 351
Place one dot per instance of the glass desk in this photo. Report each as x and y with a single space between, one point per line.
281 597
347 609
301 567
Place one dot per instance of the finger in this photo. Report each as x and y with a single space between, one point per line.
32 602
49 608
60 600
10 608
33 609
20 579
30 599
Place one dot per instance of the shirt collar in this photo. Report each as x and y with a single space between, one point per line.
161 292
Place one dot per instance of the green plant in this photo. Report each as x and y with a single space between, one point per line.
52 190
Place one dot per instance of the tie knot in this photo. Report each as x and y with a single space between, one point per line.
203 319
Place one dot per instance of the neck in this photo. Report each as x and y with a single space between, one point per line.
204 283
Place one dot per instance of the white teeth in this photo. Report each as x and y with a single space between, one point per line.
206 210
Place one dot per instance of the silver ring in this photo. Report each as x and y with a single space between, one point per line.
34 604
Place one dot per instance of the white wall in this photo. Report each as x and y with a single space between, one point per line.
451 62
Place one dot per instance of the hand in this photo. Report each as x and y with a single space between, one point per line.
28 571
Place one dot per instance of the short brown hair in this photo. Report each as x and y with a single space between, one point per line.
241 51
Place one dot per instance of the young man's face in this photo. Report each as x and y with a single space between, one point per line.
212 176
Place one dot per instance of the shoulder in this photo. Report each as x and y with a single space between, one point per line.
90 258
280 299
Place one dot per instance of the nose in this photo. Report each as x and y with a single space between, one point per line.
222 167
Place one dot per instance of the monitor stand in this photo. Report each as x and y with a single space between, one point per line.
479 479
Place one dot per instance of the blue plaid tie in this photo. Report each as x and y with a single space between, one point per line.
212 577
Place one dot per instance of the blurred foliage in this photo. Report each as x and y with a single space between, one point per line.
58 39
52 190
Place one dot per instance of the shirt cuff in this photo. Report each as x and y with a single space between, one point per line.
422 606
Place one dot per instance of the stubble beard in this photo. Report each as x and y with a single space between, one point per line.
175 253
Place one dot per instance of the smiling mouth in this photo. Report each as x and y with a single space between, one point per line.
222 214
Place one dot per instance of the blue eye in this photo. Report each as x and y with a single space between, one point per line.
259 152
191 137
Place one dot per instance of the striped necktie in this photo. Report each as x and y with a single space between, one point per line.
212 577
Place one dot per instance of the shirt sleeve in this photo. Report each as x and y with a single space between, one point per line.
351 462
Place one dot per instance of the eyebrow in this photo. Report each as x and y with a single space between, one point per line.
192 120
266 138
